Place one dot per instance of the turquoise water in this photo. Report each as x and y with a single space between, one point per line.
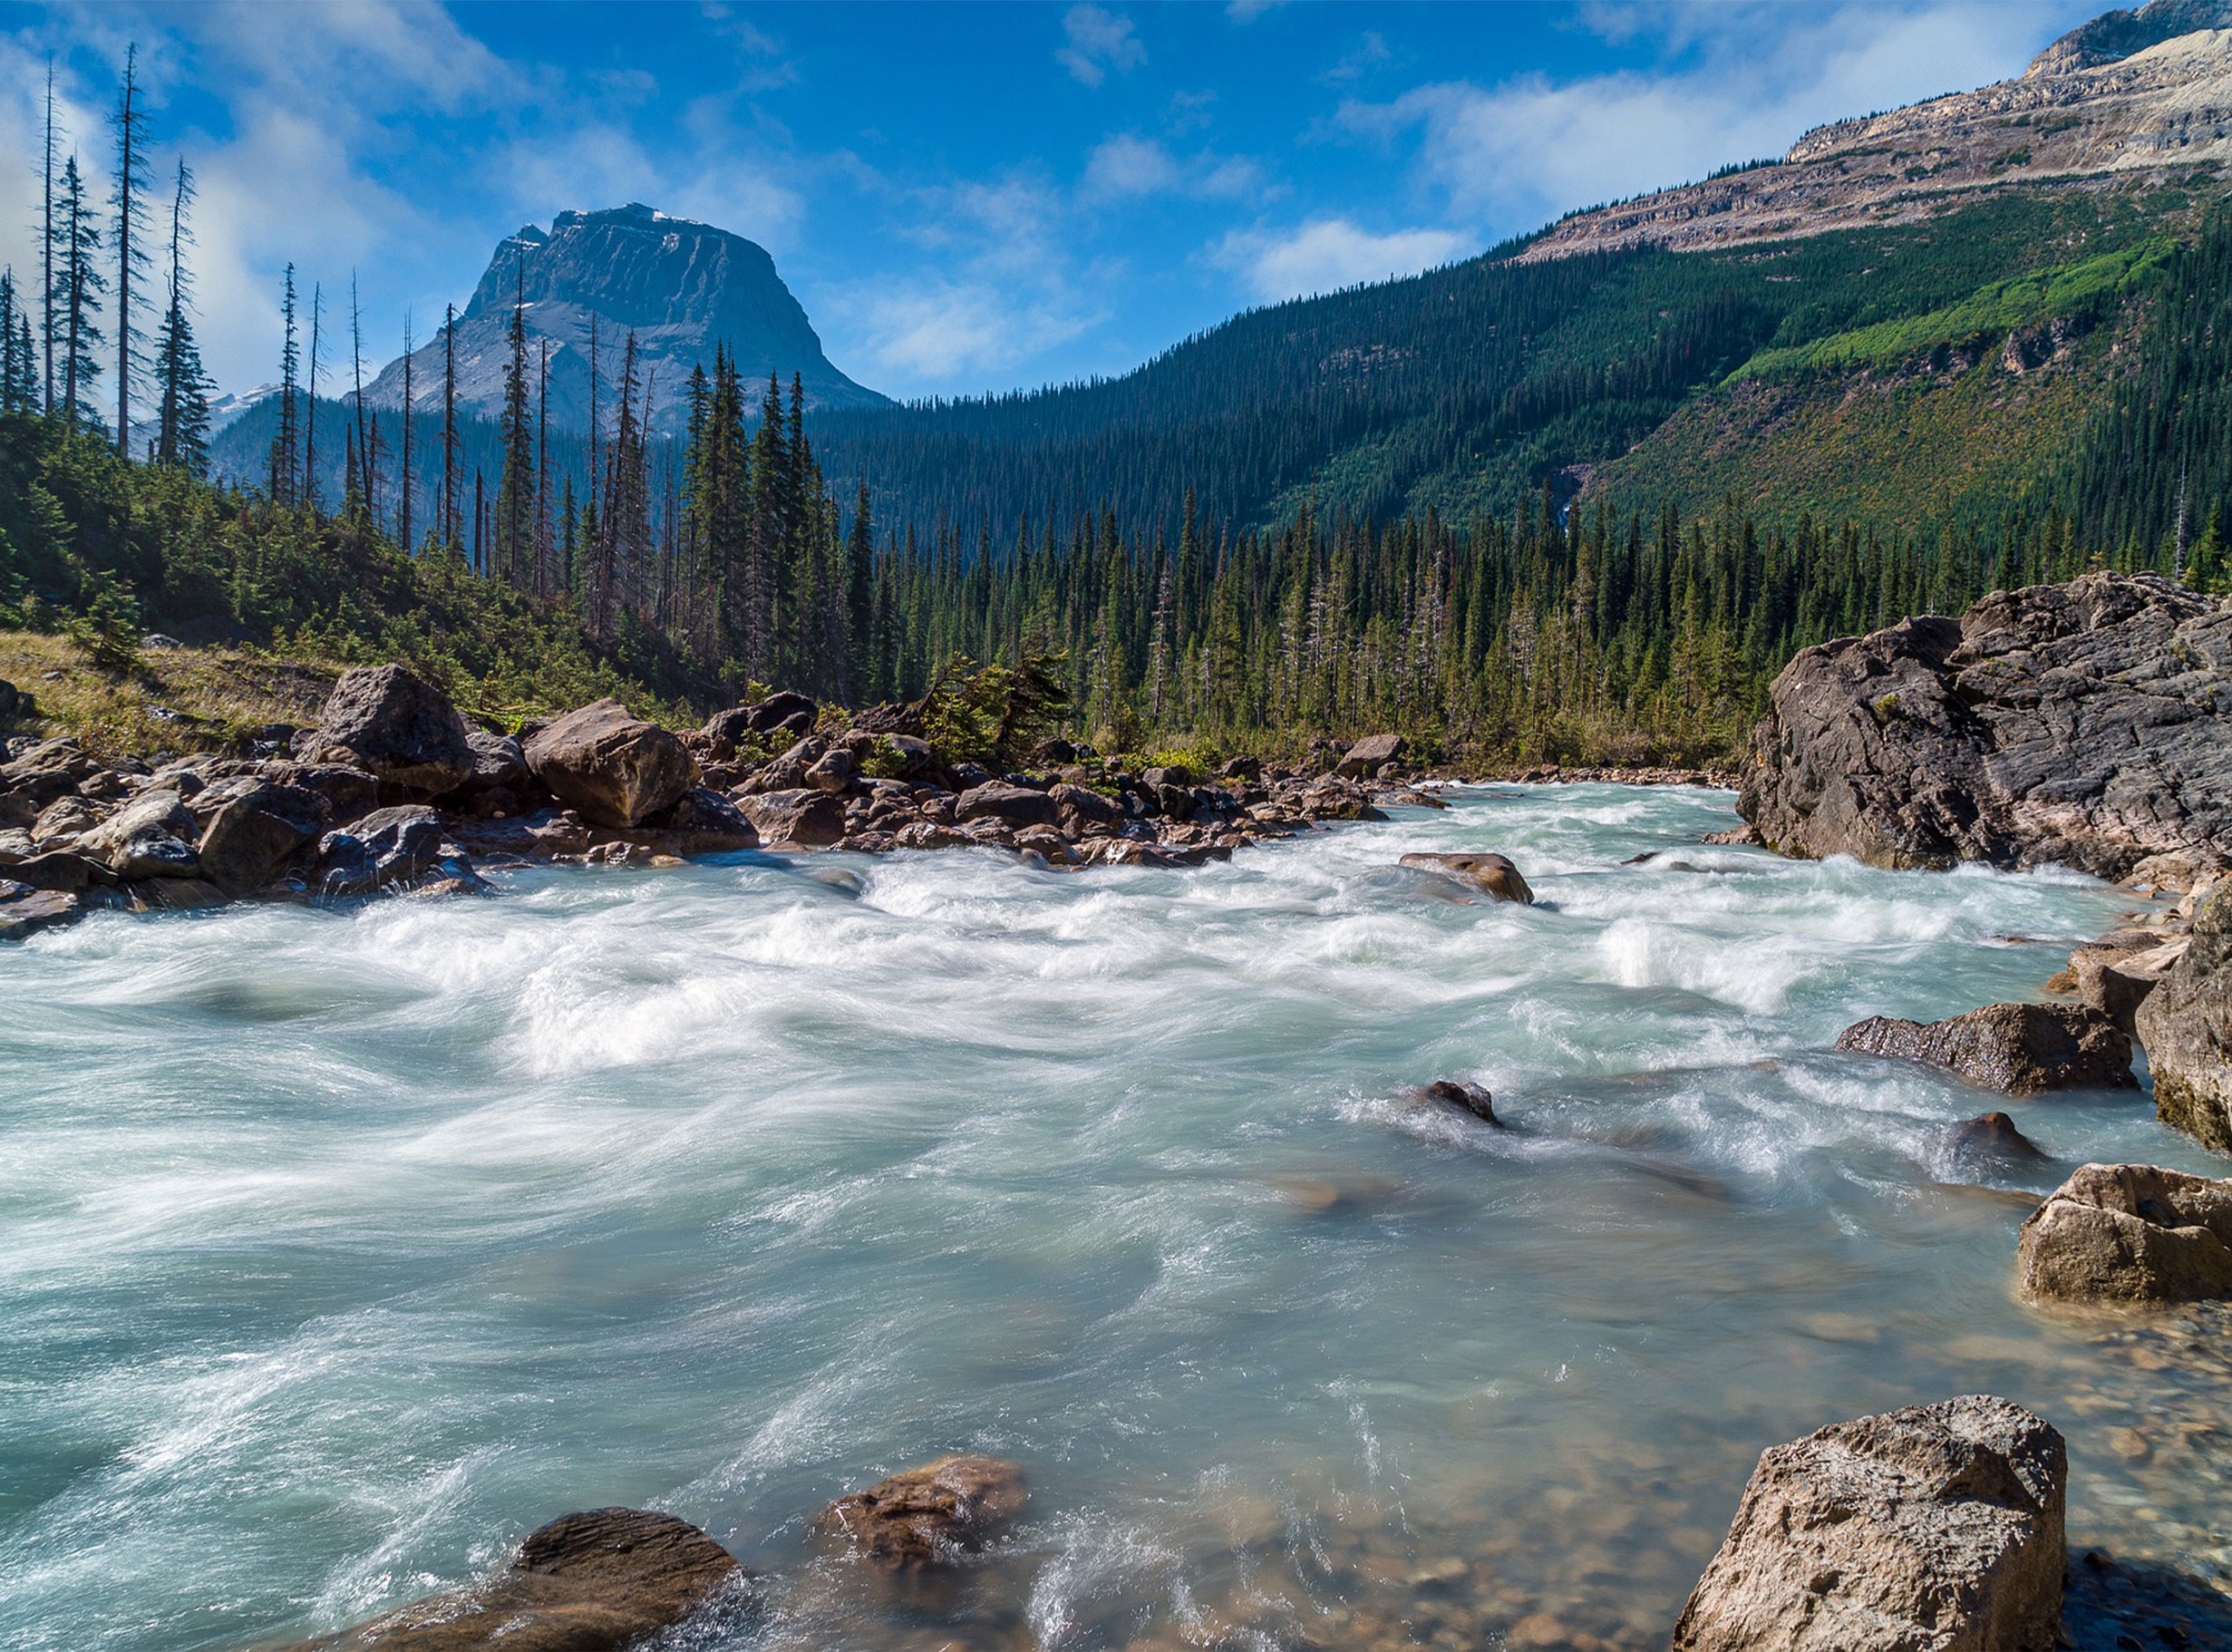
337 1249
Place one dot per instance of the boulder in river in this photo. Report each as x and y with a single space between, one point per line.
1491 873
391 723
391 849
2017 1049
2129 1233
2186 1024
1929 1528
253 834
1466 1098
1366 759
798 818
930 1513
615 769
599 1581
1991 1137
2117 980
2072 722
1010 805
24 912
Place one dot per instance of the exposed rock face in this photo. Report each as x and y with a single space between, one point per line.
2076 723
1013 805
680 286
1929 1528
394 725
616 770
2186 1024
2116 982
2125 97
253 835
595 1582
1495 874
930 1513
2129 1233
400 848
2017 1049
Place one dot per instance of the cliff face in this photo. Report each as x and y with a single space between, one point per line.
681 287
2131 97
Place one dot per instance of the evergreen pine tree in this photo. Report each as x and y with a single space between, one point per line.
81 285
182 385
286 439
128 209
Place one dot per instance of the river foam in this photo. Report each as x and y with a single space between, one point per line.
337 1248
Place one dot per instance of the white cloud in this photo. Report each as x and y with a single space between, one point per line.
1099 41
935 333
1745 81
1125 166
1328 253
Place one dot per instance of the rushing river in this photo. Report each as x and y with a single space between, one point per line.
338 1249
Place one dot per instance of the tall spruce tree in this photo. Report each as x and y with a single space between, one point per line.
451 534
48 243
309 418
182 385
410 417
128 214
515 481
285 467
82 284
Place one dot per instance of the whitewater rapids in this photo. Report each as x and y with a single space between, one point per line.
340 1247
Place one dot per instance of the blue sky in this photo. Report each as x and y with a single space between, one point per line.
965 196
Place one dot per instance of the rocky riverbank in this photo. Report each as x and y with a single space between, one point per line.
391 790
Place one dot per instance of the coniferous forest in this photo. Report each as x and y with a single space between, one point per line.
1353 512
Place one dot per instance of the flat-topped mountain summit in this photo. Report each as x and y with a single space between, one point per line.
2130 97
683 287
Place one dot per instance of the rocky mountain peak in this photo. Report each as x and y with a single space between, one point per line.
2113 36
680 286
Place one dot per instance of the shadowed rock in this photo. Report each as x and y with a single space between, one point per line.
396 726
598 1581
1991 1137
2018 1049
2129 1233
2070 723
799 818
930 1513
1491 873
1929 1528
2186 1024
1466 1098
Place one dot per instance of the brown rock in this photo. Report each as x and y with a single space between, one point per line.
2129 1233
152 836
1991 1136
395 725
2018 1049
595 1582
929 1513
28 913
799 818
1369 755
1493 873
1009 806
615 769
1930 1529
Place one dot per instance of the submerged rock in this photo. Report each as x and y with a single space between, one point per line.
393 724
1491 873
599 1581
613 769
2018 1049
1991 1136
2072 722
930 1513
2129 1233
2186 1024
1466 1098
1929 1528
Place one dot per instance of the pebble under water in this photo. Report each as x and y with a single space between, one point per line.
339 1248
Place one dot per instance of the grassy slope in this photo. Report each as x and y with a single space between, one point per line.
173 700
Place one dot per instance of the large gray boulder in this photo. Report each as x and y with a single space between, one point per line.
2186 1024
2129 1233
798 818
2017 1049
2072 722
1009 806
253 834
613 769
395 725
598 1581
1929 1528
